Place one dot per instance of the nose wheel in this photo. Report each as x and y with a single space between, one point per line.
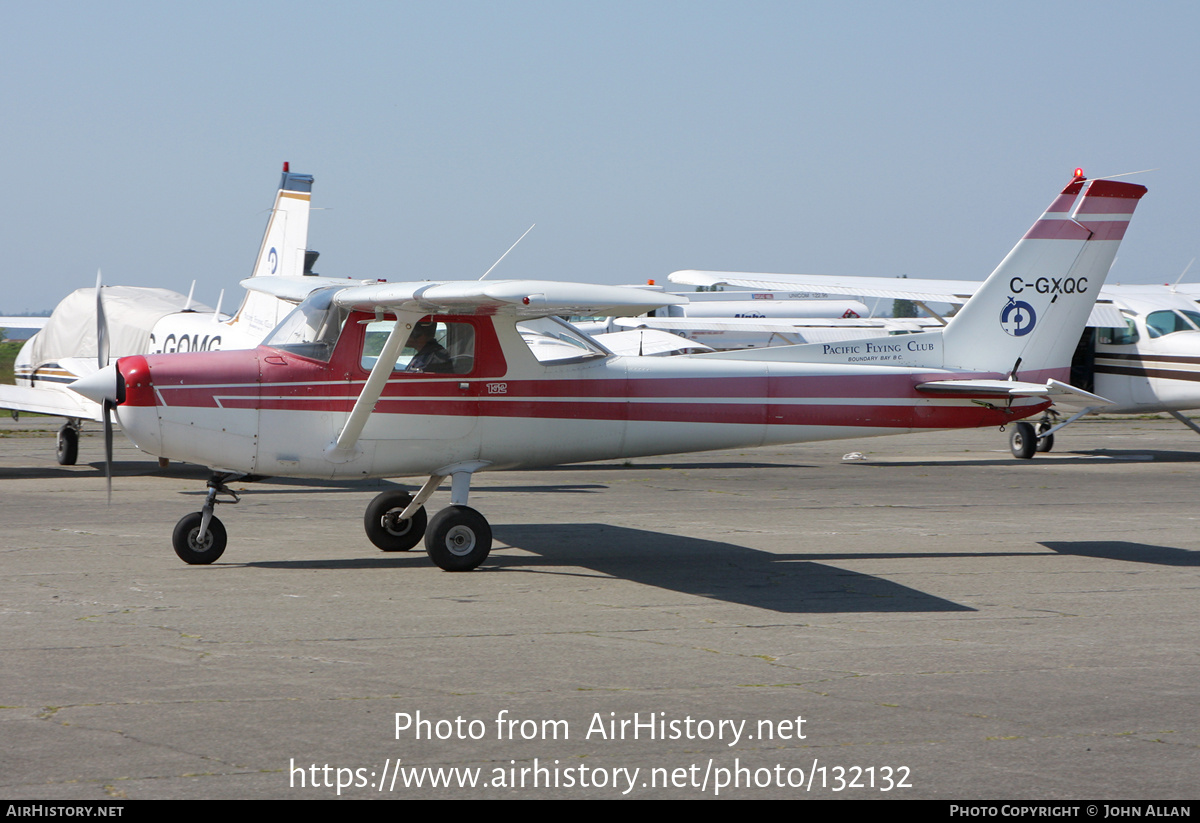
194 549
199 538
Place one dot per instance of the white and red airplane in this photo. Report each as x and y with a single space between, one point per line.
144 320
444 379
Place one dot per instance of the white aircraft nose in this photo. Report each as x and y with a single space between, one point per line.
100 386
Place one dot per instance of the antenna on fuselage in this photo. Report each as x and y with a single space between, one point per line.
1183 273
510 248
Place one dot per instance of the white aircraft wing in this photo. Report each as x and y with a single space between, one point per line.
1104 313
778 325
23 322
55 402
748 324
295 288
646 341
941 291
523 298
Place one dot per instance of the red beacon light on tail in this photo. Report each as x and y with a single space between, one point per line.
1079 175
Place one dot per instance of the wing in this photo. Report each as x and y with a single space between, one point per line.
647 341
295 289
1104 313
522 298
23 322
57 402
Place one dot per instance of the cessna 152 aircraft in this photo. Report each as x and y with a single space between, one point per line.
149 320
438 379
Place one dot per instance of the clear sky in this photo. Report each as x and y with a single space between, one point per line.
643 137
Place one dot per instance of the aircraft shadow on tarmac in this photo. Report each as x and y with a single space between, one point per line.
787 583
295 486
722 466
121 468
1057 458
1129 552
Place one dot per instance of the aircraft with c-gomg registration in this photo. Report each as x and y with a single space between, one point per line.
444 379
141 320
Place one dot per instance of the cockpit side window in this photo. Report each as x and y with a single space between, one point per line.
432 348
1118 336
312 328
1163 322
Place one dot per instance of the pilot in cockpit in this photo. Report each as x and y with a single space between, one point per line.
431 356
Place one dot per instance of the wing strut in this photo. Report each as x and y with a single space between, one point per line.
343 448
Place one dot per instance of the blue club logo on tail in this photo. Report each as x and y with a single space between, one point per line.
1017 318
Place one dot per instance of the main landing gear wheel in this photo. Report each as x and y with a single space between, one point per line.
67 448
190 548
458 538
385 528
1045 444
1023 441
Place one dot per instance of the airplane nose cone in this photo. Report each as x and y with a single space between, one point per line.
101 386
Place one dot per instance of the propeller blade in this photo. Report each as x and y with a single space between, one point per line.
101 327
108 445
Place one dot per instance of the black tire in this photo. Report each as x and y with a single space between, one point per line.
458 538
1023 441
1045 444
385 531
192 552
67 447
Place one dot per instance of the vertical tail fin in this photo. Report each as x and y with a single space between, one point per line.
1029 314
283 252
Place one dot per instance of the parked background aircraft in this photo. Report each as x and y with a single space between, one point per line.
455 387
1140 352
730 320
151 321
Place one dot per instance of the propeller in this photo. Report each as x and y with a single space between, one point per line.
108 403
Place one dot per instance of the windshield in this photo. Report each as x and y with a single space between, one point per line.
312 328
1163 322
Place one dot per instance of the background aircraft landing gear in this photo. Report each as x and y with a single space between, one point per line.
385 528
67 447
458 538
1023 441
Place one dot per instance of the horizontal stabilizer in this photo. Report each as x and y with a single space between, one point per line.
1011 388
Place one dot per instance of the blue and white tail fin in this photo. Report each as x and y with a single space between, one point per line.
283 252
1026 319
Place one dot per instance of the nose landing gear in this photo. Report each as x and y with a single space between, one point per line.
199 538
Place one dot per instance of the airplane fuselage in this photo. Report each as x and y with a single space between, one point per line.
260 411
